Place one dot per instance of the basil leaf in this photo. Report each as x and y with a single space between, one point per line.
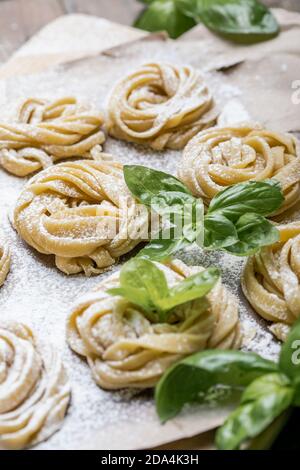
135 295
143 284
259 197
156 189
254 232
289 360
220 232
191 288
163 247
145 275
244 21
163 15
244 238
265 399
192 379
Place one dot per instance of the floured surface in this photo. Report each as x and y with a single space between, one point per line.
37 293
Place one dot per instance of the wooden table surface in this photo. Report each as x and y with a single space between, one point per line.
20 19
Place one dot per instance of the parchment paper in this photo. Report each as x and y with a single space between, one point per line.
62 40
265 72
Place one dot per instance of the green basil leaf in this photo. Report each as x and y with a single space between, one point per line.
193 287
145 275
195 378
143 284
254 232
161 249
289 360
263 401
244 238
259 197
220 232
244 21
163 15
135 295
156 189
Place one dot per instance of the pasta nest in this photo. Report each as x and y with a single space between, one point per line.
34 389
160 105
4 262
124 349
271 280
220 157
47 131
83 213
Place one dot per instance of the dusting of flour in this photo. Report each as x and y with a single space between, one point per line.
38 294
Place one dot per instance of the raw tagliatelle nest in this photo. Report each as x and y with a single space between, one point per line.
220 157
47 131
160 105
81 212
124 349
271 280
34 389
4 262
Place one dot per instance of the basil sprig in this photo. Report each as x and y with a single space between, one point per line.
145 285
261 403
194 379
235 220
243 21
266 389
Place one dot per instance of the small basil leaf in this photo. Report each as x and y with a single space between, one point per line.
192 379
263 401
259 197
244 21
220 232
156 189
289 360
163 15
160 249
193 287
141 273
254 232
135 295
